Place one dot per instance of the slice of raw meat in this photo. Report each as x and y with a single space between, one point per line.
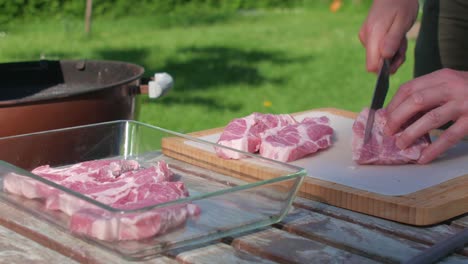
381 149
292 142
238 135
245 133
104 226
121 184
99 223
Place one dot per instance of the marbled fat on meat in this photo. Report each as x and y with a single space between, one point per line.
238 135
293 142
121 184
382 149
278 137
245 133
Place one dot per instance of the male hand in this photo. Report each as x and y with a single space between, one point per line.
443 97
383 33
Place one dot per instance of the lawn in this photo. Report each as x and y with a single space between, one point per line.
227 67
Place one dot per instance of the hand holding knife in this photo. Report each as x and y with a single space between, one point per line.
378 99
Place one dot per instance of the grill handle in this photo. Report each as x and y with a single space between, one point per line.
158 86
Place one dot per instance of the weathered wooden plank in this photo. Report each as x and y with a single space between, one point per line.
372 243
284 247
16 248
218 253
425 235
60 241
461 222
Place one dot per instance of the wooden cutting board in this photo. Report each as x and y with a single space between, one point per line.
412 194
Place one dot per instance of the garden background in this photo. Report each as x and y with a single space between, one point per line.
228 58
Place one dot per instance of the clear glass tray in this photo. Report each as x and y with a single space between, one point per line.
232 196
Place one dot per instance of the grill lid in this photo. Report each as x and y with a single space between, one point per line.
22 82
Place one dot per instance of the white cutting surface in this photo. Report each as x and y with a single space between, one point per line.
336 165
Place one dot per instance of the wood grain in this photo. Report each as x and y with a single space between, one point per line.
219 253
319 234
354 237
16 248
425 207
45 243
461 222
247 171
60 241
283 247
427 235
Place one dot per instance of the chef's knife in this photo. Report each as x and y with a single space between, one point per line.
380 92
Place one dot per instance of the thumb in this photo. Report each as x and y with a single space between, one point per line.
363 34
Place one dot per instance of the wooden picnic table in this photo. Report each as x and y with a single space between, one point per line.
312 232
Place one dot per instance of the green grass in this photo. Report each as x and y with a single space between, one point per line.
225 67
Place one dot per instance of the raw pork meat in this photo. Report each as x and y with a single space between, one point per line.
278 137
245 133
382 149
121 184
293 142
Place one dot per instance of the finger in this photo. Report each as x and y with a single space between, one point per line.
446 140
405 90
401 94
416 102
373 56
394 37
400 56
363 33
431 120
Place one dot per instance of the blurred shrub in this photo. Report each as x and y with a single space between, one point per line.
26 9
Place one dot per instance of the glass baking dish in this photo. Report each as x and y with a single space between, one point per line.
230 196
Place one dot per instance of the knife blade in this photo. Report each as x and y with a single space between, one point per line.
378 99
